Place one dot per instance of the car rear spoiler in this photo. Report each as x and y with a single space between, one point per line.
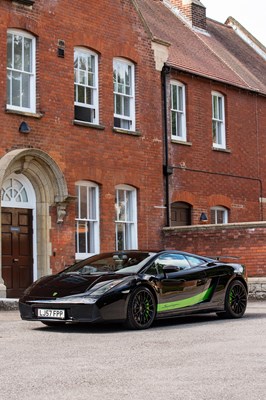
218 258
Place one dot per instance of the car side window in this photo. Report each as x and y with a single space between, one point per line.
171 259
152 270
194 261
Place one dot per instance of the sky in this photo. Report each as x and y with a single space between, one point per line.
251 14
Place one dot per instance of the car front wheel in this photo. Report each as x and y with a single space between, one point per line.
141 309
235 301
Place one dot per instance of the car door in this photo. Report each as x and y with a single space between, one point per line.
180 283
217 277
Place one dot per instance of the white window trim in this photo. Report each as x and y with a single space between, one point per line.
132 117
32 88
95 106
225 213
182 113
133 222
221 145
81 256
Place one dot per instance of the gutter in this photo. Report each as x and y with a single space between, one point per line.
167 169
213 78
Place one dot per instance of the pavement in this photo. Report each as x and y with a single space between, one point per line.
199 357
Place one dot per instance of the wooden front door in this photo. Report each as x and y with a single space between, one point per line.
17 257
180 214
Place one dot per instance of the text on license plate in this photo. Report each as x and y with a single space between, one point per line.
50 313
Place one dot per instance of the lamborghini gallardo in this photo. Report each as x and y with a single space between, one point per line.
137 287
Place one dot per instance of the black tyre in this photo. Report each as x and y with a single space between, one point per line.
141 309
235 301
53 323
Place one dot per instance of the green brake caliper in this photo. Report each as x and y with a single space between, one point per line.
231 296
147 308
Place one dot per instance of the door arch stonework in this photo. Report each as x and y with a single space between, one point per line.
50 189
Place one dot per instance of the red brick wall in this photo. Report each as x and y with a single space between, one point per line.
246 241
193 11
112 29
205 177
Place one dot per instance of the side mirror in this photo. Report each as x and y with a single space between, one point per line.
211 264
167 269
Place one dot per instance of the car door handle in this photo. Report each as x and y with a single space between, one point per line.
202 281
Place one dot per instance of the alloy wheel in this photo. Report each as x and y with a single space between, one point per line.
141 309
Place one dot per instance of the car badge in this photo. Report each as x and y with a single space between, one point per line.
55 294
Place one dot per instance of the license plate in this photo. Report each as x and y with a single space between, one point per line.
50 313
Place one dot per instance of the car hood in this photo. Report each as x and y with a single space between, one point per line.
66 284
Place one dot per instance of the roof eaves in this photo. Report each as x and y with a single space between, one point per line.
213 78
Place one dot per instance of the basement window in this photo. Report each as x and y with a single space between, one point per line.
219 215
24 2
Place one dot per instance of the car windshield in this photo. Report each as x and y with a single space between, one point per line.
116 262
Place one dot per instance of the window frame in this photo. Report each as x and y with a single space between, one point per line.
21 72
219 120
131 119
92 221
181 111
225 215
130 231
95 87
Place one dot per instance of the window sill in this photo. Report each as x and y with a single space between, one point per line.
184 143
221 150
88 124
126 132
25 113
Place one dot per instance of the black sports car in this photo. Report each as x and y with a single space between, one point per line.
137 287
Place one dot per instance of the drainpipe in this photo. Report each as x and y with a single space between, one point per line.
167 170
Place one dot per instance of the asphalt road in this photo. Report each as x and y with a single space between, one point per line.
199 358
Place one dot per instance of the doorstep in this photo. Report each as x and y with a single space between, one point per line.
8 304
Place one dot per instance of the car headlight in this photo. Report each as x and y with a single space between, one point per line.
102 287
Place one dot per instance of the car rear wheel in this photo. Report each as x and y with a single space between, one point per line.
235 301
141 309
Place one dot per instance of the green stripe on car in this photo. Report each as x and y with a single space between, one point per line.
191 301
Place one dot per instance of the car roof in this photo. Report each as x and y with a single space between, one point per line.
162 251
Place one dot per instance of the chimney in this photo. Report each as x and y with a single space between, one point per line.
194 10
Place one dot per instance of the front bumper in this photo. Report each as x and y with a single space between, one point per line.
73 312
108 308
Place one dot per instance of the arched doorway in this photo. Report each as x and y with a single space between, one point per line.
18 214
180 214
31 183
